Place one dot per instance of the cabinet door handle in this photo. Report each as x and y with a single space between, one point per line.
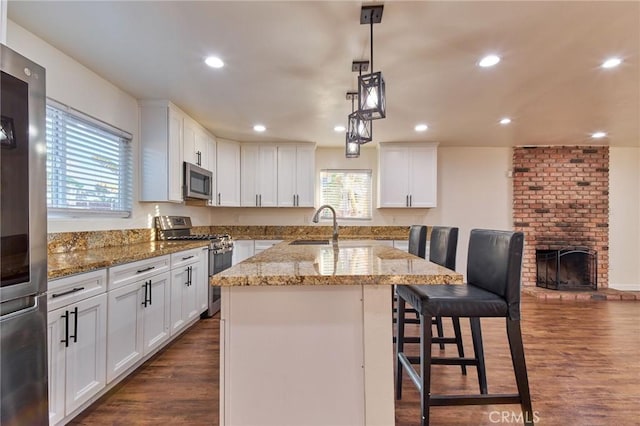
74 290
260 198
298 200
187 271
410 200
66 329
139 271
188 257
199 161
406 202
294 200
256 200
75 325
144 303
150 292
218 198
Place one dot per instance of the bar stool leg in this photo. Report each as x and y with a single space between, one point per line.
458 334
476 336
399 345
438 322
520 368
425 367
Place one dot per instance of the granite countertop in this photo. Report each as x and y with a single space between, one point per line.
63 264
271 232
351 262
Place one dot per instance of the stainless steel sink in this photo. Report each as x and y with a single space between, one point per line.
309 242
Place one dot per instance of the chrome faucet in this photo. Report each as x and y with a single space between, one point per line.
316 217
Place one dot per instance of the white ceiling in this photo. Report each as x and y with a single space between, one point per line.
288 65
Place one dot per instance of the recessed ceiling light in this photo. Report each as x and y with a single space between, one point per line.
598 135
505 120
421 127
214 62
339 128
611 63
259 128
489 61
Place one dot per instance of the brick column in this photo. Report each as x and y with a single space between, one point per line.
561 198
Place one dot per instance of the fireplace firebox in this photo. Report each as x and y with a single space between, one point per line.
569 268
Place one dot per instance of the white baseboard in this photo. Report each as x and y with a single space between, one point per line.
625 287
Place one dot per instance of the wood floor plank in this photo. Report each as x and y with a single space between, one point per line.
582 358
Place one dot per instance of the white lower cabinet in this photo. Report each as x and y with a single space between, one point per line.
262 245
76 342
186 277
202 288
242 249
103 324
138 322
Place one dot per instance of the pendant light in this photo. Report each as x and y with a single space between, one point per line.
371 87
352 149
359 129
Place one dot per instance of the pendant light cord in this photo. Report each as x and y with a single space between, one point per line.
371 23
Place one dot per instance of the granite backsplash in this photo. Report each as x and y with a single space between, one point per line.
65 242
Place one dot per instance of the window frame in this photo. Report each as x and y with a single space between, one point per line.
125 162
325 215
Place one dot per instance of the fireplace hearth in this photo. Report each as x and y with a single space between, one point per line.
569 268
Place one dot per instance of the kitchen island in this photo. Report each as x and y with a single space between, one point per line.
306 333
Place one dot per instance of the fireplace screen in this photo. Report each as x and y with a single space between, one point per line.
567 269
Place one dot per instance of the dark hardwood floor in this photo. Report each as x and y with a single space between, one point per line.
583 360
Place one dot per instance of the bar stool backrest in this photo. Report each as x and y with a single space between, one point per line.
494 264
418 240
443 246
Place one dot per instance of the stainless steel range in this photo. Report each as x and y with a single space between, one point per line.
174 228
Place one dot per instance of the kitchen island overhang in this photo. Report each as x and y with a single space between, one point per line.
306 333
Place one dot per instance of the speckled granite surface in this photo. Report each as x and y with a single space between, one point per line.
65 242
75 252
313 232
352 262
74 262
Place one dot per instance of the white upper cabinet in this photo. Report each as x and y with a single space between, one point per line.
296 171
198 145
227 173
258 175
407 175
161 151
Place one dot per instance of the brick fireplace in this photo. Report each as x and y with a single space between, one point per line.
560 200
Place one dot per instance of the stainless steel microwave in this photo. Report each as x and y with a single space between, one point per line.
198 182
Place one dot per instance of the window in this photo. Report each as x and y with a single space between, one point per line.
348 192
89 165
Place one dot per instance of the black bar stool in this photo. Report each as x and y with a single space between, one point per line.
442 250
493 290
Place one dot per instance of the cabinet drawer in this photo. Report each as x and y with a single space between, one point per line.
130 272
186 257
64 291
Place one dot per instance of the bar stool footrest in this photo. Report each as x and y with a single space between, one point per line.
487 399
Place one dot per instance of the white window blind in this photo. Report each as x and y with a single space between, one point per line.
348 192
89 165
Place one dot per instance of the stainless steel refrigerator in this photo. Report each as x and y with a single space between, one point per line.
23 242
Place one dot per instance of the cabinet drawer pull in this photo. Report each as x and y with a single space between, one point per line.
66 329
139 271
73 290
188 257
75 325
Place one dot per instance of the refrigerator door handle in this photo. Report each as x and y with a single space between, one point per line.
75 325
